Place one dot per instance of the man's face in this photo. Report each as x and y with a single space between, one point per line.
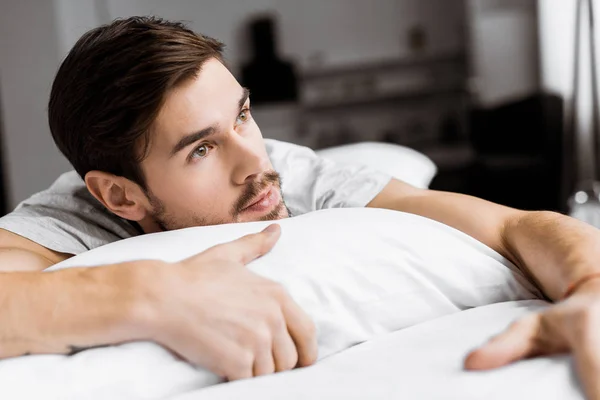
207 162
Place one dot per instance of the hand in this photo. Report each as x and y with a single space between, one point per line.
571 325
216 313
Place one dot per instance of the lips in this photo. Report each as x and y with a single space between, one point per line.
259 197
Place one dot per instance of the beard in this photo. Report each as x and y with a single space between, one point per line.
167 221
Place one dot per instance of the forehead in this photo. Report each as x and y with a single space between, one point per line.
205 100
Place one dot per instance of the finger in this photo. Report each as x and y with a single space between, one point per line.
240 374
516 343
302 331
263 353
264 363
248 247
218 354
586 353
242 367
284 350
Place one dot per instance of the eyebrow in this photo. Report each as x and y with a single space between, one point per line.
188 139
245 95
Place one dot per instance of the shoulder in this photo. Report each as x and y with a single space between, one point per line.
311 182
66 218
67 193
66 188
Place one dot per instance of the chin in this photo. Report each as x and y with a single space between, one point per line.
279 212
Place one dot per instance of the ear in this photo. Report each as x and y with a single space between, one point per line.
119 195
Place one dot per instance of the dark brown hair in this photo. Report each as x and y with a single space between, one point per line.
111 86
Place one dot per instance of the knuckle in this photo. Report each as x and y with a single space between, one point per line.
278 291
262 339
274 319
308 329
278 323
242 365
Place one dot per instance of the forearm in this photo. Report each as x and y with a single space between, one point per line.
62 311
551 249
557 250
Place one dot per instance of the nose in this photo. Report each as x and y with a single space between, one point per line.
249 159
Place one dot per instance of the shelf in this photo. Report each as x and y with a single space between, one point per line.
382 65
414 95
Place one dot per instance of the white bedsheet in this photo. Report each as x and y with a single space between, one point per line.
421 362
362 275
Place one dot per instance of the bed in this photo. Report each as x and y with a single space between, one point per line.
421 362
398 301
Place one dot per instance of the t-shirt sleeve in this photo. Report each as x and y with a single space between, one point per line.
66 218
311 183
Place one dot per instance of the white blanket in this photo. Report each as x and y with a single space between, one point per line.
361 274
421 362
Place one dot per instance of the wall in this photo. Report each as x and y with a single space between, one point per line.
35 35
504 50
335 31
75 17
29 55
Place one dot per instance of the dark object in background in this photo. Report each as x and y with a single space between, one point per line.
269 78
519 158
417 39
525 127
519 153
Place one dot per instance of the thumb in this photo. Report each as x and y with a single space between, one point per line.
515 343
248 247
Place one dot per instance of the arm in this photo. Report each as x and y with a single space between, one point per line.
229 320
551 249
59 312
62 311
20 254
554 250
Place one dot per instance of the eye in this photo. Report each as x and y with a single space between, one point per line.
243 117
200 151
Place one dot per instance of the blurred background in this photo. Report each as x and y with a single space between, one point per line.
481 87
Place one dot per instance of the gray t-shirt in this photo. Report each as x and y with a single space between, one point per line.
68 219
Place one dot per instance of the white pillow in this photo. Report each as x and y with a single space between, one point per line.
401 162
359 273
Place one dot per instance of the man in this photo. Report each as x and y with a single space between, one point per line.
162 136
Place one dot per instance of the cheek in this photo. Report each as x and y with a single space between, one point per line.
191 189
